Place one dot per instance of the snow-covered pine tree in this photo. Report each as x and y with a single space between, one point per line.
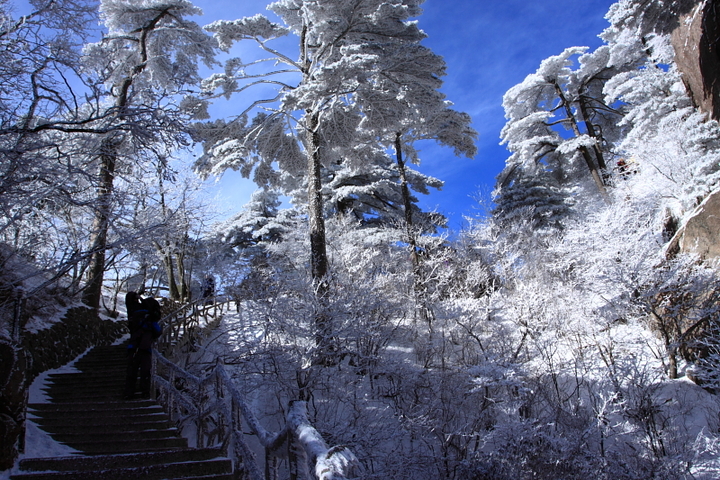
560 131
261 220
322 95
407 107
319 100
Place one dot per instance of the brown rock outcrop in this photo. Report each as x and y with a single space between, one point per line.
700 234
697 55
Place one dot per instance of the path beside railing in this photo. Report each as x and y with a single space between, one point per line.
184 323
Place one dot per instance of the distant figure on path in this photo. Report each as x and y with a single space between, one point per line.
208 289
144 324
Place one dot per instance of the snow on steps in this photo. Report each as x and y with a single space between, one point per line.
115 438
172 464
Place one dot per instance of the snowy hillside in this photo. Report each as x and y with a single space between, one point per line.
571 333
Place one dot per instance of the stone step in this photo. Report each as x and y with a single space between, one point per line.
89 374
226 476
103 352
87 393
113 396
104 421
105 369
97 374
89 396
63 390
121 414
113 446
92 357
101 462
118 407
215 468
112 352
102 364
118 416
82 435
118 426
115 438
84 381
109 384
85 377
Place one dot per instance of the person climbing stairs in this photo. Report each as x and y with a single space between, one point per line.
114 438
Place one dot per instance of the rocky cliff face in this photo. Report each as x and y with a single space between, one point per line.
697 54
700 235
696 40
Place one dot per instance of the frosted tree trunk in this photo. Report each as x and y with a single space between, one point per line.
318 249
110 147
407 203
173 255
421 307
583 150
101 225
593 133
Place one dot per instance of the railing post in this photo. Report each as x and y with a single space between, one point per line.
153 374
292 458
235 424
220 394
271 465
200 441
170 394
297 459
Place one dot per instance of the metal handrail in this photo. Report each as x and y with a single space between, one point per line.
217 409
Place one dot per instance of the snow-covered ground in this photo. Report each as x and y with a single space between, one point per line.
692 412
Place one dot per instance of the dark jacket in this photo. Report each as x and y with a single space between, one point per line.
133 302
144 325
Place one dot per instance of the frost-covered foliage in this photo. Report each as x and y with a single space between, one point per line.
152 37
333 79
635 23
41 185
673 144
506 381
261 220
610 106
373 194
324 134
84 124
583 314
609 327
28 295
557 338
362 86
560 131
150 53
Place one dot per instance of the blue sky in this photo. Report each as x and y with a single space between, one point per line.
489 47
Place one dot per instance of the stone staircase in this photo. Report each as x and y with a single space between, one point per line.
115 438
